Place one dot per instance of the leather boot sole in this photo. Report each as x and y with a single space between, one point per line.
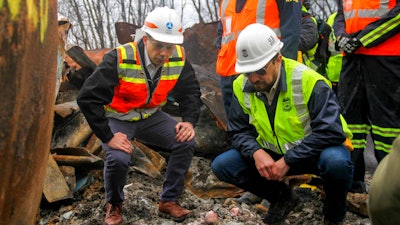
176 219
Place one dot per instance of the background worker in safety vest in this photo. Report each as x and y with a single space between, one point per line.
369 85
121 100
283 17
314 41
308 36
334 64
285 120
384 197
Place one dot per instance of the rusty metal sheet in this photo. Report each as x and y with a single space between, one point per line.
71 132
28 68
66 109
124 31
146 161
55 186
77 157
212 98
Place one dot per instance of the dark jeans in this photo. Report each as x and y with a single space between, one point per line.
334 166
158 129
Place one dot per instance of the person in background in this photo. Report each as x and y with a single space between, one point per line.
334 64
122 99
308 36
284 17
369 85
284 120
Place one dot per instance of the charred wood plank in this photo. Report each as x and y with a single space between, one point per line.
80 57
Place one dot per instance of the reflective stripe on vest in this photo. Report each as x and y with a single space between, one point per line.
132 100
359 13
254 11
334 65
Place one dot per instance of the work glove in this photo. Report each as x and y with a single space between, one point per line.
348 43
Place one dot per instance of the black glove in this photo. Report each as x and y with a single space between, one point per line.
348 43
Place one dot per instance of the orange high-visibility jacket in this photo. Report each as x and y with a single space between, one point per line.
254 11
133 89
359 13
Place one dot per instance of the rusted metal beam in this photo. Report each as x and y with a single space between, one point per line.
28 64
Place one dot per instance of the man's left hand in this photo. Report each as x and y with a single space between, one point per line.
282 168
184 131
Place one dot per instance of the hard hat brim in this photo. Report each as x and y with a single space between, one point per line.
166 38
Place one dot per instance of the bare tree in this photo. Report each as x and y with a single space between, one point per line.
322 9
93 20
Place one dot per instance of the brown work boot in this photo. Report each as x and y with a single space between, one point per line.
113 214
172 210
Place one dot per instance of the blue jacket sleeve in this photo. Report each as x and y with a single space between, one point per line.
325 123
339 25
290 19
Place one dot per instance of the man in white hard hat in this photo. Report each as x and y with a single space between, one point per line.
285 120
122 99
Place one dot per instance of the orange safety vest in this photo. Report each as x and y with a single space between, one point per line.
359 13
254 11
133 92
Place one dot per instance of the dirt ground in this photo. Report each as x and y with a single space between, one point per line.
142 195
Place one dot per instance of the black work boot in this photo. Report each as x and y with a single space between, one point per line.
248 198
327 222
279 210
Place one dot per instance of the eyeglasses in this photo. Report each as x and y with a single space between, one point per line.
161 47
260 72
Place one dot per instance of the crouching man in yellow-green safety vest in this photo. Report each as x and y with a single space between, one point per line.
284 120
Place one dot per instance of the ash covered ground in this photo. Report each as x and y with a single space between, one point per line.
141 205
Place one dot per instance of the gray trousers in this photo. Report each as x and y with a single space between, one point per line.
159 130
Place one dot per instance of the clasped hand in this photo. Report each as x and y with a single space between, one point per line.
268 167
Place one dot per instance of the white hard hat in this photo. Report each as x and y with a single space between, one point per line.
257 44
164 24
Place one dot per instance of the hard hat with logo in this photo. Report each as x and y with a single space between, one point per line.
256 45
164 24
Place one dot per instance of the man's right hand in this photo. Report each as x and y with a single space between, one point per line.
120 142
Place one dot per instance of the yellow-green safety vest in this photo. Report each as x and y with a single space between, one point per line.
291 110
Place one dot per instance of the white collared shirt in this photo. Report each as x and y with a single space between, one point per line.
151 68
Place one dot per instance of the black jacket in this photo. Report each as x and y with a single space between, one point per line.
98 90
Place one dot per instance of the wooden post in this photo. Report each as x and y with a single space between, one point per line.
28 64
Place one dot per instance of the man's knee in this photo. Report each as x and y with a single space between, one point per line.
336 163
217 166
118 160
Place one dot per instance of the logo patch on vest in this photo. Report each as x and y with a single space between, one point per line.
287 106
